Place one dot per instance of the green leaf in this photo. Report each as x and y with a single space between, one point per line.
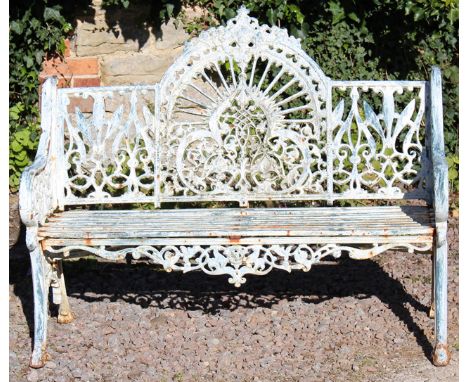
16 147
297 13
16 27
271 16
337 12
14 181
170 9
418 14
52 14
39 56
15 111
21 156
452 174
453 15
354 17
22 162
230 13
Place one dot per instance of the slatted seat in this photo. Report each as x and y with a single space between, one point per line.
263 225
243 117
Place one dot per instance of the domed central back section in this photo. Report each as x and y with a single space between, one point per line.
244 117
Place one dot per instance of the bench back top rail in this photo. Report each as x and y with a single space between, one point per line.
244 114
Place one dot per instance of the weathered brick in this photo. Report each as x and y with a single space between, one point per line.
87 65
86 81
55 66
72 72
71 66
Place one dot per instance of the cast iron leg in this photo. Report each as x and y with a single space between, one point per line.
432 308
65 315
40 270
441 354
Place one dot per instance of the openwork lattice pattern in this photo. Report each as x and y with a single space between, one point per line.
109 143
236 261
378 149
243 116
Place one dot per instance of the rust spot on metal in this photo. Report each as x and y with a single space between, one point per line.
43 245
235 239
288 233
65 318
432 310
88 241
441 355
273 226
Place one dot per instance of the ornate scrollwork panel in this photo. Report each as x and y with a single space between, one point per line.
378 149
109 143
236 261
243 114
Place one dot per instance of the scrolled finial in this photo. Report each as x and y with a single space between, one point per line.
243 11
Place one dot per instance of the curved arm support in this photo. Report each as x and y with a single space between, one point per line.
37 194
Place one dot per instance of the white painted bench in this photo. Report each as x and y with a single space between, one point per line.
246 121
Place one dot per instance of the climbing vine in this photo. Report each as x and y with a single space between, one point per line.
37 29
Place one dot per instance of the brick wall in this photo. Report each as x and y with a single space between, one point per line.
116 48
72 71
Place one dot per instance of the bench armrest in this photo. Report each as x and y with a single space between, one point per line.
439 164
36 197
440 192
37 188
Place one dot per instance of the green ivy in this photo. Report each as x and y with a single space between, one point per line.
37 28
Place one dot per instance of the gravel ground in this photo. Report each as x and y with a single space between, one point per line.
342 321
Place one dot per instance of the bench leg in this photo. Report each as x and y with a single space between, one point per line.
41 271
432 308
65 315
441 354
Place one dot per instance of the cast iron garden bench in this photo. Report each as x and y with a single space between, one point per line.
247 124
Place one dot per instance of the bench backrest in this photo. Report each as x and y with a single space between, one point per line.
243 115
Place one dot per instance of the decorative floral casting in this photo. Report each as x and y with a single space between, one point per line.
244 114
109 153
379 153
236 261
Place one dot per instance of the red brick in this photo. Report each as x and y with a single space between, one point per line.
71 66
86 65
86 81
64 82
54 67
